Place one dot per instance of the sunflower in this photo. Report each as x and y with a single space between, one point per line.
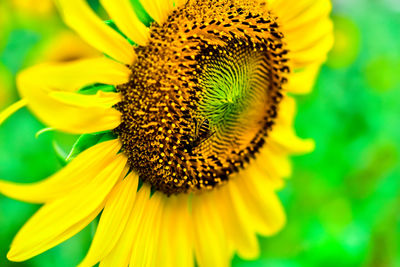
190 124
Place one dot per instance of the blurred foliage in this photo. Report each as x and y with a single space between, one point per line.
343 201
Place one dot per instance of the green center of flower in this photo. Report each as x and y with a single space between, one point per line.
203 95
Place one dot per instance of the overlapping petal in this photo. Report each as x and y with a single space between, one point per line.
176 234
144 250
74 75
159 10
113 220
78 15
307 28
239 230
44 88
82 170
64 217
120 255
256 200
210 242
122 13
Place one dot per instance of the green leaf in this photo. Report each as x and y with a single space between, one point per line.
94 88
84 142
141 13
107 136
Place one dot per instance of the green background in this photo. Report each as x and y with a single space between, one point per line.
343 201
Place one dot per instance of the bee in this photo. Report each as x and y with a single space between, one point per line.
202 133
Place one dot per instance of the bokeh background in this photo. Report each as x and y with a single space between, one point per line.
343 201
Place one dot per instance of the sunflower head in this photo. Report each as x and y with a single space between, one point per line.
203 94
198 109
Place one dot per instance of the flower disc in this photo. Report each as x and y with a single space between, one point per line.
203 94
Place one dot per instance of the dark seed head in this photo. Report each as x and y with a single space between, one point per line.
203 94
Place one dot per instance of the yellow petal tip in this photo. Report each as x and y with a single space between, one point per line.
13 256
307 146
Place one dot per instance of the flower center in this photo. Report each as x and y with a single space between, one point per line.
203 94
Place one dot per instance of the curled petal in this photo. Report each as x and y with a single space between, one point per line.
44 88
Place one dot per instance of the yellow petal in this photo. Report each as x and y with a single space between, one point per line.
264 194
78 16
5 114
309 33
80 171
179 3
159 10
79 117
145 245
297 42
315 52
287 111
122 13
285 139
274 161
102 99
256 201
176 248
289 10
274 171
113 220
62 218
307 29
301 81
121 253
239 230
210 244
307 13
74 75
